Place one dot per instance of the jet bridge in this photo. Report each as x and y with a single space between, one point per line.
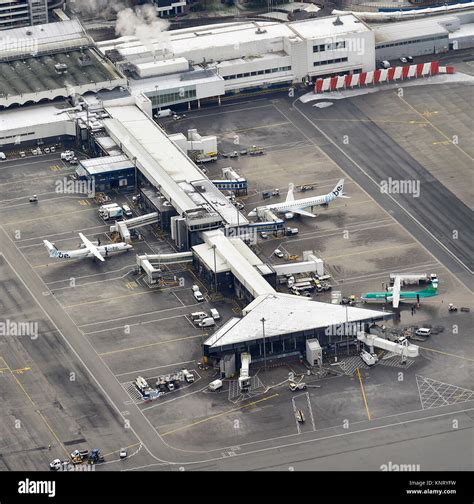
123 227
150 263
403 349
244 378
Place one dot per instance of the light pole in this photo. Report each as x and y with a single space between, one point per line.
215 268
263 320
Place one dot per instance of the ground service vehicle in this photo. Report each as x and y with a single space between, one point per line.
110 211
299 416
215 314
423 331
188 376
215 385
77 456
196 317
55 465
207 322
127 210
96 456
297 386
198 296
279 253
368 358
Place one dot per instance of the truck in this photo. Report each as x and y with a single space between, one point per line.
289 231
110 211
163 113
96 456
215 385
208 157
79 456
188 376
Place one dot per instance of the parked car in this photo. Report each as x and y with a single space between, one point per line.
207 322
263 235
410 59
385 64
127 210
215 314
215 385
279 253
2 156
423 331
403 60
198 296
196 317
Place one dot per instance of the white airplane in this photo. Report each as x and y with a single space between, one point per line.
291 206
89 249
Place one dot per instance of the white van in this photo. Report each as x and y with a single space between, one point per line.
423 331
215 314
196 317
198 296
215 385
2 156
385 64
207 322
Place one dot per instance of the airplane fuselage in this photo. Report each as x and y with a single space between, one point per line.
80 253
375 297
301 203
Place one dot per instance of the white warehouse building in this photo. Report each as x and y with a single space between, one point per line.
231 57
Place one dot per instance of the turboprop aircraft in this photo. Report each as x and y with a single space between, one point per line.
88 250
396 296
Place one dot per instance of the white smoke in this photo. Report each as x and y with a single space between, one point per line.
100 8
143 23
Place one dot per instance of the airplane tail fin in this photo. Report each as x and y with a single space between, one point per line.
290 196
53 251
338 191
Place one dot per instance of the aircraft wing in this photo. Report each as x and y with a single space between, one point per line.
91 247
301 212
396 292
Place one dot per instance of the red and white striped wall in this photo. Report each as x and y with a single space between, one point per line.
379 76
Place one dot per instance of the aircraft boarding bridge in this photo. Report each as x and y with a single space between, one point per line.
244 378
150 263
123 227
403 349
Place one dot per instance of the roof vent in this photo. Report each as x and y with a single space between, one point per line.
259 31
337 21
29 32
